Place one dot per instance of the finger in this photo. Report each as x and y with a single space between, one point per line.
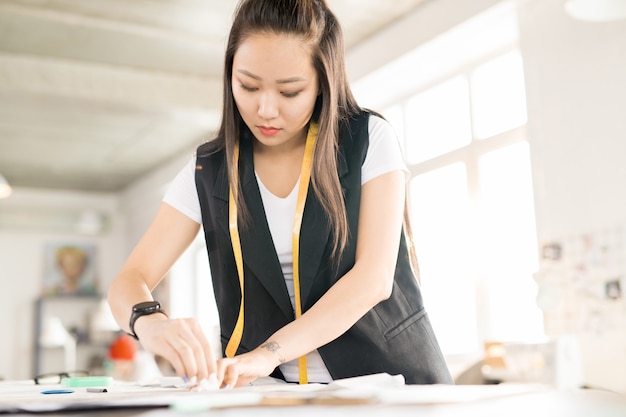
169 353
186 356
194 358
231 374
193 349
209 355
221 366
203 352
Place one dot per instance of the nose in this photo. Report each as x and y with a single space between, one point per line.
268 108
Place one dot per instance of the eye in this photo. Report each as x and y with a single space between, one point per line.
290 95
248 88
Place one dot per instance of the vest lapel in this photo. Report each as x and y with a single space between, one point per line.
314 238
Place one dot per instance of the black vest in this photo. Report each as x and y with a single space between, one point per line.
394 337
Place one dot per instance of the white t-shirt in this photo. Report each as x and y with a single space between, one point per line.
383 155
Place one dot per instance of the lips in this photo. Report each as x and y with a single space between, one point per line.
268 130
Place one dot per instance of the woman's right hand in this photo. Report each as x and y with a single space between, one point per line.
180 341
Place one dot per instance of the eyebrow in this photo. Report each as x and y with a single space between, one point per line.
282 81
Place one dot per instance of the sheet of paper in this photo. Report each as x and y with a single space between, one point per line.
25 396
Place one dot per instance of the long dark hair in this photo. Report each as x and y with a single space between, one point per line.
314 23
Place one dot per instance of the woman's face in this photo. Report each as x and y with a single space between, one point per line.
275 87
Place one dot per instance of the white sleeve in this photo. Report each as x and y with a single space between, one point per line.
182 193
384 153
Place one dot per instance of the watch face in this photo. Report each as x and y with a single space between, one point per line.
147 306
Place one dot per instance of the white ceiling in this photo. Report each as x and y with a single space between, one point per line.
94 94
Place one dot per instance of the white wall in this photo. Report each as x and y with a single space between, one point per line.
21 251
577 131
577 101
139 202
22 266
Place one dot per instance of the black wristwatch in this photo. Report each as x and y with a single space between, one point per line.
143 309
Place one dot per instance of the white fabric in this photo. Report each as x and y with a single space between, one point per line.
280 213
384 155
182 194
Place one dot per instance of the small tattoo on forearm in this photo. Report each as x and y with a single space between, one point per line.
274 348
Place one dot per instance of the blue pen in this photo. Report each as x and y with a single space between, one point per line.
58 391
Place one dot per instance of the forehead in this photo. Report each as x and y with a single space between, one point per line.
274 56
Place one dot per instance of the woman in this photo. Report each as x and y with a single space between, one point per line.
310 287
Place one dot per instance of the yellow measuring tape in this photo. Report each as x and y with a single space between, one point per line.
305 178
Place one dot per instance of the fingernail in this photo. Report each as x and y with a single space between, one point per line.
185 379
225 386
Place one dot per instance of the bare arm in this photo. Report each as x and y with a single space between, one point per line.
365 285
182 341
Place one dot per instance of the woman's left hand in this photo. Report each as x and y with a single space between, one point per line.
245 368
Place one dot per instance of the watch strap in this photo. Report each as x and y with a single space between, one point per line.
138 311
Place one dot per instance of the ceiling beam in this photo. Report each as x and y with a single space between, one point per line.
213 28
109 83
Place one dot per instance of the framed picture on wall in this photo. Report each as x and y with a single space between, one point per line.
70 269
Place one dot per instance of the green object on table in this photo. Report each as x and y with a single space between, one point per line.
87 381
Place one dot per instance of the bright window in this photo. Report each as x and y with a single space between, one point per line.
428 120
508 255
498 95
440 209
462 129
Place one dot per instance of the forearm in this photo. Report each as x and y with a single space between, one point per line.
128 289
338 310
165 240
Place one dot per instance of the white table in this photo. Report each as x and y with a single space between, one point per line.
276 400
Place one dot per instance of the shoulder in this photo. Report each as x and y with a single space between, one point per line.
354 131
355 123
368 123
380 129
365 127
210 148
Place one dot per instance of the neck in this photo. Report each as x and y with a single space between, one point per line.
279 167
